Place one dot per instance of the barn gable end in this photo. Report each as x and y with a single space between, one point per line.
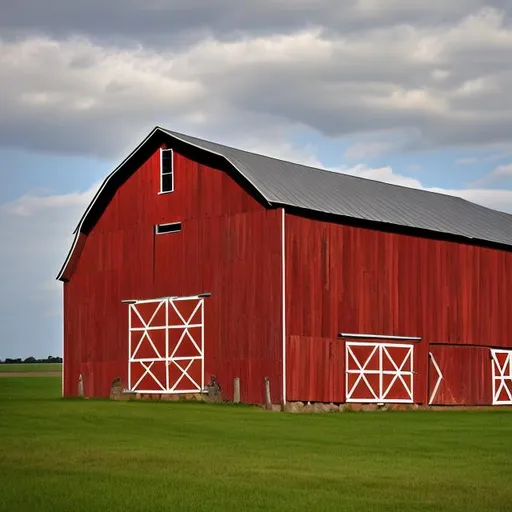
224 232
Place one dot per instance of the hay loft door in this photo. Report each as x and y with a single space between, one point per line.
166 345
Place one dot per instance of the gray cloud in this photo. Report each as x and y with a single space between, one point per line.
158 21
436 76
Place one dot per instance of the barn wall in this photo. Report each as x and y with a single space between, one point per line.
348 279
227 243
315 365
467 375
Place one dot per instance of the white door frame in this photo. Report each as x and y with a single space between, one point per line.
400 369
182 363
501 374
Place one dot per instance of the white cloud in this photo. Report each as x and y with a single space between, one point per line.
30 205
499 199
363 150
503 170
500 173
37 231
41 226
282 150
385 174
433 85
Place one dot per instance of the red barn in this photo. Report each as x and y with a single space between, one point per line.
196 260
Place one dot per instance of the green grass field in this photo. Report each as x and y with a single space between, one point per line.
95 455
30 368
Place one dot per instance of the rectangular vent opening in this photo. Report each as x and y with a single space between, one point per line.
173 227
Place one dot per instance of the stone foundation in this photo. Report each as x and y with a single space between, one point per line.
318 407
117 393
189 397
214 395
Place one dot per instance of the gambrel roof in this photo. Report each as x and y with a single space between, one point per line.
282 183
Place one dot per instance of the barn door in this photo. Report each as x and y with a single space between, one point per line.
379 372
501 377
166 345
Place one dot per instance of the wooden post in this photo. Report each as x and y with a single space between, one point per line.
80 386
236 392
268 401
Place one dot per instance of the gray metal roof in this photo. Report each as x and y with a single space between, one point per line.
319 190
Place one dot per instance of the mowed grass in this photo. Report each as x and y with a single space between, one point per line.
85 455
30 368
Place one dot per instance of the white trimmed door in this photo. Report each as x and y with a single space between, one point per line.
501 377
379 372
166 345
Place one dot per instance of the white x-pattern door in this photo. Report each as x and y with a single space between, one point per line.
379 372
166 345
501 377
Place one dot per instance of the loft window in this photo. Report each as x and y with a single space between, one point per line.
162 229
166 171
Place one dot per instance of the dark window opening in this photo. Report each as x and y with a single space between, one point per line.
162 229
166 171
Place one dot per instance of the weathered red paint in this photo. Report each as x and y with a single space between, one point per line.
350 279
467 378
315 369
229 246
76 251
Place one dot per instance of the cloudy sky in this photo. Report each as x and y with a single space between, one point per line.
406 91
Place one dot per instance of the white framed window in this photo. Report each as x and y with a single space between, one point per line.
166 171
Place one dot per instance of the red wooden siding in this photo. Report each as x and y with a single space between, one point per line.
348 279
227 245
467 378
316 366
316 369
75 256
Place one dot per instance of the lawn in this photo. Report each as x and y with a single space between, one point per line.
85 455
30 368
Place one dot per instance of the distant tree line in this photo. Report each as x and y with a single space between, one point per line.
31 360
